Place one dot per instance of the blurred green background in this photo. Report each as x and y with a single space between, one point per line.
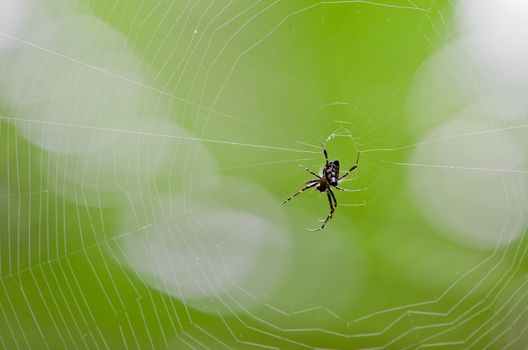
146 147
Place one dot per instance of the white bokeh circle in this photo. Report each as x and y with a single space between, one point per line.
64 95
210 256
14 20
470 185
498 34
152 150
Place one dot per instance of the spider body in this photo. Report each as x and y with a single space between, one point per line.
323 183
330 176
331 172
322 187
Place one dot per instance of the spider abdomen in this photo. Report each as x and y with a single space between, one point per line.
331 172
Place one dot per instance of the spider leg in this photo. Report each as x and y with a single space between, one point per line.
333 196
351 169
308 185
311 172
333 206
325 154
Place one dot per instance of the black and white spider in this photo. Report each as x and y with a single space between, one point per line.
329 178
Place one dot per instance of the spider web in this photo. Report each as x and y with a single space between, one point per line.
146 147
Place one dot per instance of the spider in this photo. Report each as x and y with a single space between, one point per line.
324 183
